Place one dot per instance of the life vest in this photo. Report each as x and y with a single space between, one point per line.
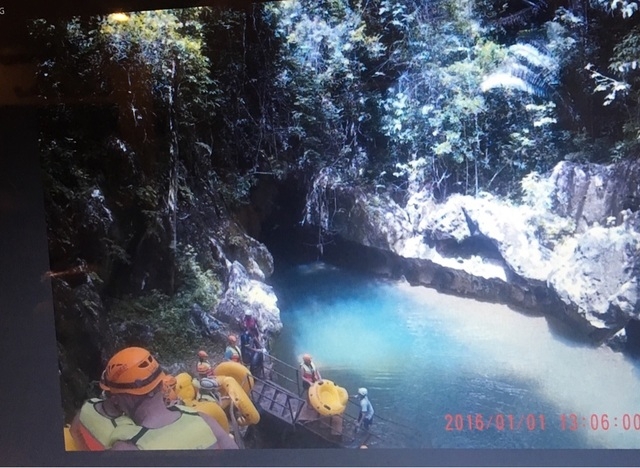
188 432
309 372
235 353
204 369
95 429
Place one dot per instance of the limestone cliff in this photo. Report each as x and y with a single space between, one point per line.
568 250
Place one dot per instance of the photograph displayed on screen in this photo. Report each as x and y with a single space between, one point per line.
352 223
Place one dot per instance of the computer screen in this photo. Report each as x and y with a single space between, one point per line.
347 232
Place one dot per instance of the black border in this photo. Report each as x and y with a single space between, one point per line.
30 410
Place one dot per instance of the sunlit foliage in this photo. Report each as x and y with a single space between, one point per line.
329 55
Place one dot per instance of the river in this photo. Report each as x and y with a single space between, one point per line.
448 372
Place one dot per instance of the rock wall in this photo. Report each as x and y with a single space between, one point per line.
592 193
571 253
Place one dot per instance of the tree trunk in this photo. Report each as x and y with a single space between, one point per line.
172 192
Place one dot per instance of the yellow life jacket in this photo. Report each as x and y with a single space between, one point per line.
190 431
95 428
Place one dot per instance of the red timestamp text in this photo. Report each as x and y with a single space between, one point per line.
499 422
600 422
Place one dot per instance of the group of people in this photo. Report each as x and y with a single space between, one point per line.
140 408
133 414
310 375
250 351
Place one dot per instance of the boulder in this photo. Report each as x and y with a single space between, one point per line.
596 278
233 244
244 293
371 220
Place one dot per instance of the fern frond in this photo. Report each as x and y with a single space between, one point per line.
533 55
505 80
529 69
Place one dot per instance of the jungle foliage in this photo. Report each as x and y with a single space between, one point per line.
161 123
455 96
192 108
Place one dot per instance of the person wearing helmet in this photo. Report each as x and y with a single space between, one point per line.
250 324
366 409
308 372
204 370
91 428
134 379
203 366
232 353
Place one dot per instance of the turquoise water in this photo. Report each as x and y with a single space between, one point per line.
433 363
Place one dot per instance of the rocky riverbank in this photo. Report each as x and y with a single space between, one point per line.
569 250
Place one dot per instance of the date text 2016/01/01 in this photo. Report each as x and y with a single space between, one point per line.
500 422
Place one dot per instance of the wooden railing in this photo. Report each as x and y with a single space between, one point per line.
287 406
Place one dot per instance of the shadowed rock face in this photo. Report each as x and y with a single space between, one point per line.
591 193
575 259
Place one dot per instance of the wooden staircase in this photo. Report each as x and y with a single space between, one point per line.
277 401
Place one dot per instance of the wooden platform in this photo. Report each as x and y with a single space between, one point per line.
293 410
278 401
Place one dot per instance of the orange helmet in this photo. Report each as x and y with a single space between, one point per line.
233 339
169 384
202 354
132 370
203 368
306 358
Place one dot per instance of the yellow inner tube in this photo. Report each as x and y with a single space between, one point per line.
327 398
240 373
184 388
344 395
212 409
248 412
70 444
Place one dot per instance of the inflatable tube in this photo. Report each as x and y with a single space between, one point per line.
248 412
326 398
212 409
184 387
70 445
236 370
344 395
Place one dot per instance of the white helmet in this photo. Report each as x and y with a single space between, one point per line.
362 391
248 312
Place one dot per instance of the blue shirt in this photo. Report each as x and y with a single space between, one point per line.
366 407
230 352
